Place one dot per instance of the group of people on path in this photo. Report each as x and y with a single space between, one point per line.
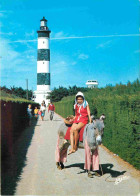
77 122
40 111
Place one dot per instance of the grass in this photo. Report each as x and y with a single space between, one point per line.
10 97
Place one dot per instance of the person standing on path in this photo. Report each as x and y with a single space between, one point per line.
62 143
36 113
42 109
51 108
82 113
44 106
29 112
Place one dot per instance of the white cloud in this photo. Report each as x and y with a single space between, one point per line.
31 34
9 55
83 56
9 33
4 13
14 60
59 67
74 63
16 66
96 36
1 14
104 45
57 36
137 51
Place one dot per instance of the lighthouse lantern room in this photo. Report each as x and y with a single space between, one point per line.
43 64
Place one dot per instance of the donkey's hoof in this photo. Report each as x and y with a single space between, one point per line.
90 175
57 164
62 165
97 174
59 167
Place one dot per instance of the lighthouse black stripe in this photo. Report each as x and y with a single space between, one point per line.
43 79
43 55
43 34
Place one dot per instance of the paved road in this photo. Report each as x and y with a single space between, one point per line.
41 177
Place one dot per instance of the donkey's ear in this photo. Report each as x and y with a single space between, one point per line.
102 117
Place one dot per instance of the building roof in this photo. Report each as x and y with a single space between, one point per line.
43 19
92 82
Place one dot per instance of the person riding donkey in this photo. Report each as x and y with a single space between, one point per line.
82 113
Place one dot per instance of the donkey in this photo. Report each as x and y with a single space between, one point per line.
91 139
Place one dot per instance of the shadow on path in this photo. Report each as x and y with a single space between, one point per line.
11 166
80 165
107 169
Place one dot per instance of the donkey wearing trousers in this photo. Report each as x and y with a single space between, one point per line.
91 139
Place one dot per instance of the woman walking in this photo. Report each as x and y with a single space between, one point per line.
82 113
42 109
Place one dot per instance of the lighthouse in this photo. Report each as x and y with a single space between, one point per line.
43 64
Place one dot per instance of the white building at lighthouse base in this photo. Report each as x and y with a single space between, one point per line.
39 96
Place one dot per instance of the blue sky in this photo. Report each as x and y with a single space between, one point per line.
92 39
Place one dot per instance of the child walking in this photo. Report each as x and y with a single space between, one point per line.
36 113
82 113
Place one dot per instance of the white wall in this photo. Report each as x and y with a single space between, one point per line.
43 66
43 87
43 43
40 97
43 23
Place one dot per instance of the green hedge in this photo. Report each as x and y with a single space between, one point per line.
4 96
14 119
15 140
121 124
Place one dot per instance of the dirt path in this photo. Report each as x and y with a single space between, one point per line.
41 177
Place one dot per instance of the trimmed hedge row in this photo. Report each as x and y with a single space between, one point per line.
121 125
14 119
15 138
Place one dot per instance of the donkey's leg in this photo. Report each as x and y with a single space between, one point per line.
95 160
87 165
63 158
57 152
63 155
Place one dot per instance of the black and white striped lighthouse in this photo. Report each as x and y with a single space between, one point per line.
43 63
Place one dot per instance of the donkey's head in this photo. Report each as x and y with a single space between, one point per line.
98 129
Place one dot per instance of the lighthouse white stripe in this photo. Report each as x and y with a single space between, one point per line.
43 66
43 43
43 87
